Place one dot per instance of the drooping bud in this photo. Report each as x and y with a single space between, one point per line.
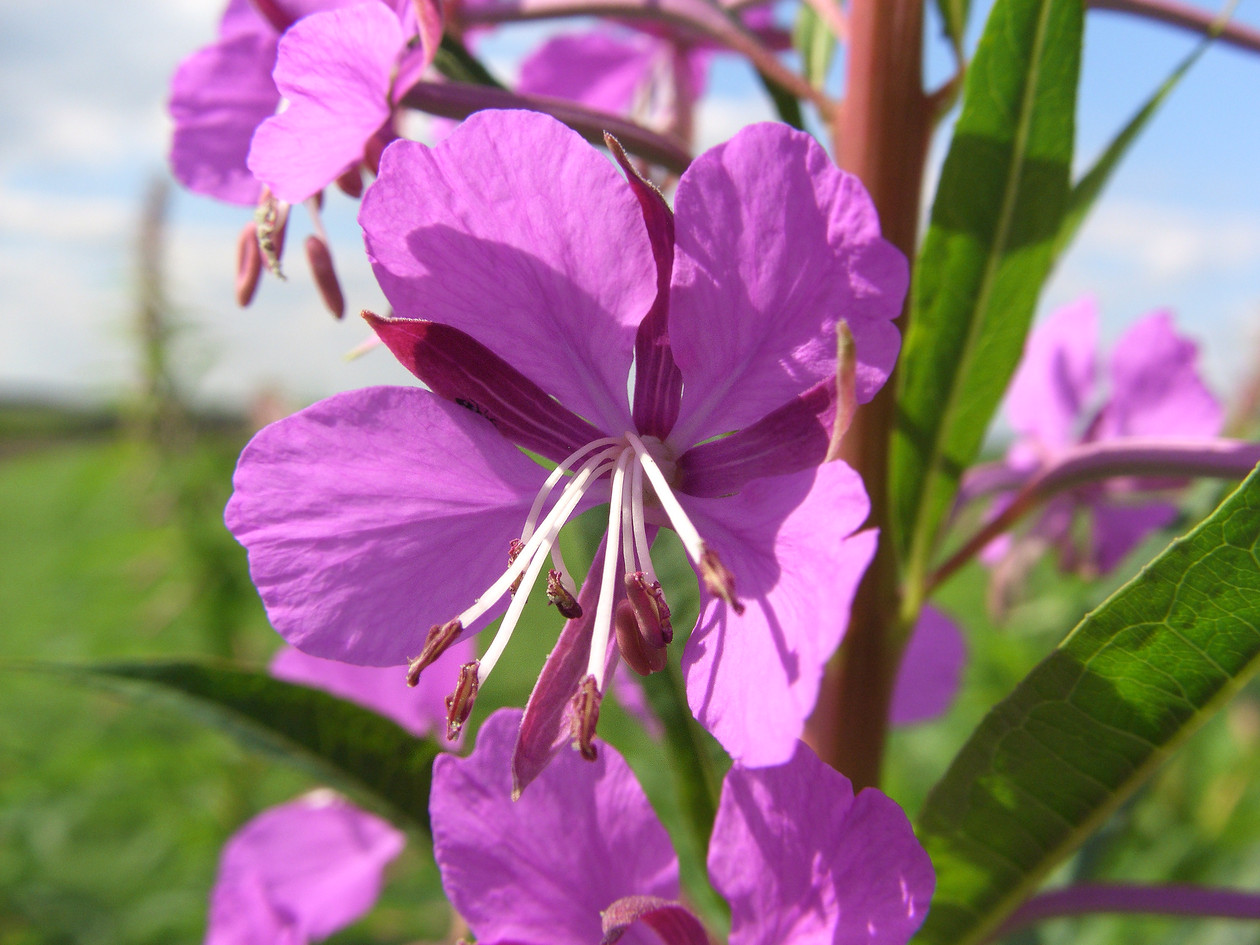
640 655
248 264
584 717
318 255
559 595
648 600
436 642
459 704
718 579
351 183
272 218
515 547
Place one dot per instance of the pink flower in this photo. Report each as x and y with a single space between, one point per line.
582 857
380 523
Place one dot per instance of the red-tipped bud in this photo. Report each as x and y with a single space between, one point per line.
320 258
248 264
351 183
515 547
638 653
718 580
584 718
559 595
436 642
648 600
459 704
272 217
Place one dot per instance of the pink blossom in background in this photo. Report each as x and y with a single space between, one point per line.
797 855
931 669
299 872
529 273
1151 388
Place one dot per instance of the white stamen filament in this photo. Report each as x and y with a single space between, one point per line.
641 546
511 618
559 471
687 533
601 628
545 535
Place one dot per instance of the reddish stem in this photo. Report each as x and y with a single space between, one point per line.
881 135
1186 17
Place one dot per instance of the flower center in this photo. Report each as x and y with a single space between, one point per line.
640 473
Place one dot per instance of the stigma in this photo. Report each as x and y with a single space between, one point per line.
638 475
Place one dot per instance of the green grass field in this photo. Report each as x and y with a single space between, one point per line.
113 810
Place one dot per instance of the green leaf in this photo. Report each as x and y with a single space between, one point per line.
1091 185
816 44
1077 737
998 210
347 746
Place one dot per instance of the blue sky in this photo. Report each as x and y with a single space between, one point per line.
82 91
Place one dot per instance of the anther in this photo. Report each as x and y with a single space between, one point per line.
559 595
515 547
585 709
320 258
640 655
248 264
436 642
718 579
459 704
647 598
351 183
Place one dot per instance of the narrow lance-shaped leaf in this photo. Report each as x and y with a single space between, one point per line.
954 14
816 44
997 213
1054 759
345 745
1089 187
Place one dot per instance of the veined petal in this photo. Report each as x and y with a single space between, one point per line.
219 95
334 68
300 872
375 514
802 861
1052 387
538 871
421 709
787 440
752 679
458 367
775 244
1155 385
928 678
518 232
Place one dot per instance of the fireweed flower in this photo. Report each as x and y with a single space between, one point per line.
1055 402
299 872
332 63
390 522
582 858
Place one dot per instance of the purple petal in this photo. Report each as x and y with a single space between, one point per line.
518 232
456 366
931 668
300 872
1052 387
756 300
375 514
752 679
1118 529
788 440
219 95
801 860
334 68
1155 386
538 871
594 68
546 727
420 710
